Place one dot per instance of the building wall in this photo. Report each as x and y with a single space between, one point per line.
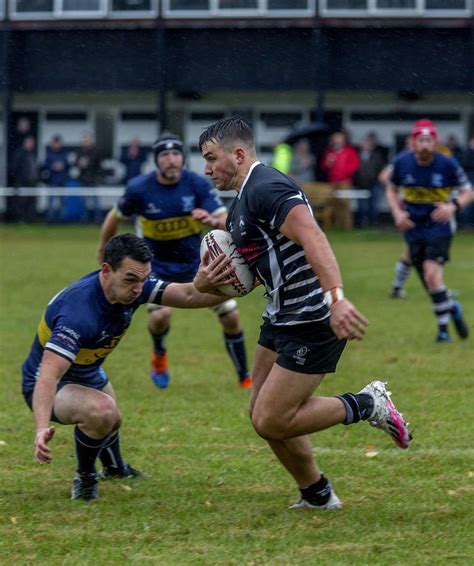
203 60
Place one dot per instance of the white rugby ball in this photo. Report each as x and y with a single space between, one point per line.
218 242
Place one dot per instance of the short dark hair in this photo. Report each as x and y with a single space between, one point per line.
227 132
126 245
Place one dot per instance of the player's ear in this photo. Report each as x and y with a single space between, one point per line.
106 268
239 154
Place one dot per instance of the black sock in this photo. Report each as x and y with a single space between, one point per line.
110 455
159 341
236 347
317 493
359 406
87 450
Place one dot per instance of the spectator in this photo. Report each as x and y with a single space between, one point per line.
282 156
340 162
88 163
467 160
302 163
54 173
25 174
372 161
133 157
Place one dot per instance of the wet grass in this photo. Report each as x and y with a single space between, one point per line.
217 495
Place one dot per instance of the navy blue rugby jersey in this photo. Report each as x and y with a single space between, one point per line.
424 185
293 292
165 221
81 325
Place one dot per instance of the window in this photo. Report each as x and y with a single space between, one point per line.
446 4
237 4
396 4
189 4
81 5
131 5
288 5
347 4
34 6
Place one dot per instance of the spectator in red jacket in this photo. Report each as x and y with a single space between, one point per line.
340 162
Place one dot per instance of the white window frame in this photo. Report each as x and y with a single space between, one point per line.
418 11
261 11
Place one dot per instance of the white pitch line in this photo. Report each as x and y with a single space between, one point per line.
397 451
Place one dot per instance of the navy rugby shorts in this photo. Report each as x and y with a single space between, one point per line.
310 348
434 250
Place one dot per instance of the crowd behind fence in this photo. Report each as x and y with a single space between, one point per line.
341 179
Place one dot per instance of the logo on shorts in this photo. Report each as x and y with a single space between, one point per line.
300 355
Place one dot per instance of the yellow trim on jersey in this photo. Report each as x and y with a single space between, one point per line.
170 228
44 331
85 356
424 195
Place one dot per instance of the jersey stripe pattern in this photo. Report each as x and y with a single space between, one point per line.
294 295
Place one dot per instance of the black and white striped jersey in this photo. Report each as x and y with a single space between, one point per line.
293 292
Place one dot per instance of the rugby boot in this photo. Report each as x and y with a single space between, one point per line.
385 415
460 324
85 486
159 370
332 503
127 472
246 383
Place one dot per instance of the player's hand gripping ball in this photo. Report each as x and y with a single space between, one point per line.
218 242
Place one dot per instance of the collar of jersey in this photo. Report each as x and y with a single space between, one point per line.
252 167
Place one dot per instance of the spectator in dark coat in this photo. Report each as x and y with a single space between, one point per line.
133 157
24 174
54 173
372 161
88 163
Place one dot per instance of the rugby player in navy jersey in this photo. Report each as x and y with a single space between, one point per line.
429 181
169 203
63 378
307 319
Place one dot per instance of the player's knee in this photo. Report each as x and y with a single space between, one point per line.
105 416
268 426
231 322
159 320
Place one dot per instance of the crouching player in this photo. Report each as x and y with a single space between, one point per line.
63 380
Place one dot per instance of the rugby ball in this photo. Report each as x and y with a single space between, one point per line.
218 242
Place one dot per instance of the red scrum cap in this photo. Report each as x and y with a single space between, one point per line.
424 128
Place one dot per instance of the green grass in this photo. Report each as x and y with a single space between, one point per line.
217 495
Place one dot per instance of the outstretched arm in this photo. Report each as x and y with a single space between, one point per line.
53 367
203 291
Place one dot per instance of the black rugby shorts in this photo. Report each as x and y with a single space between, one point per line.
310 348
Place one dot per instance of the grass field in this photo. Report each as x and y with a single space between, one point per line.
217 495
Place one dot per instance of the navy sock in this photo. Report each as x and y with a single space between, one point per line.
359 406
317 493
159 341
87 450
236 347
110 455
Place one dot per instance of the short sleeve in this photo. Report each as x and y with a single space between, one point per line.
66 336
153 290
